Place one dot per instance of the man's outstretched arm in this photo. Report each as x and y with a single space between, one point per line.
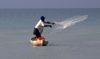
47 26
49 22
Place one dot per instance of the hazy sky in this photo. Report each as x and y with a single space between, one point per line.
49 4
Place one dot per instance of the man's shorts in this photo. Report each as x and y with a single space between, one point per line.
36 32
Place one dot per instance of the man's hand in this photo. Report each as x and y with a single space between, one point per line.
50 26
49 23
53 23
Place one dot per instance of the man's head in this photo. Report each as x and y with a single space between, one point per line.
42 18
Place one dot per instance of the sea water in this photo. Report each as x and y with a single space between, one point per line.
80 41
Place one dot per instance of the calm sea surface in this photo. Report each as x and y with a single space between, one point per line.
80 41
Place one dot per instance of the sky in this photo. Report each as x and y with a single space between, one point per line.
49 4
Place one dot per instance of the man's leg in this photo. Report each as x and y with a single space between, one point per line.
36 33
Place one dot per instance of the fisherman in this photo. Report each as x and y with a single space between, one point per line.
40 26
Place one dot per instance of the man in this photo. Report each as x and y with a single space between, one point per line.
40 26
